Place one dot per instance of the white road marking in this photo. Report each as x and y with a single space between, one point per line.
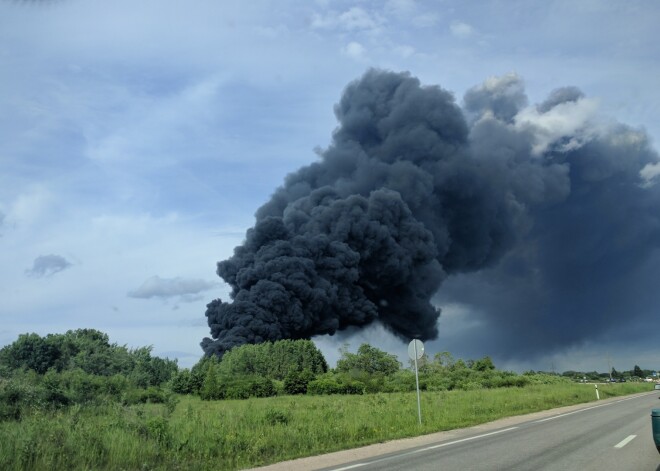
625 441
589 408
432 447
569 413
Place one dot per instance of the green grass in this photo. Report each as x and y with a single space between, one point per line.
228 435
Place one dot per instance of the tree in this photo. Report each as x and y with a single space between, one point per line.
484 364
615 374
211 386
30 351
637 371
182 382
273 360
296 382
369 360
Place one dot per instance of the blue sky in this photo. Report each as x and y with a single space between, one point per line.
137 139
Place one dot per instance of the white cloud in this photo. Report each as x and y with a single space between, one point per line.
149 122
354 19
649 174
354 50
31 205
426 20
48 265
358 19
461 30
401 6
405 51
575 118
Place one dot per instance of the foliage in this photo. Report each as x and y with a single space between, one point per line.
273 360
248 386
80 367
87 350
333 383
296 381
369 360
211 386
183 382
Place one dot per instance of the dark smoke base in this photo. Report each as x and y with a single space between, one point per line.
412 189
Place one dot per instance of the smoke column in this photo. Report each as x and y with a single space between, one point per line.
414 189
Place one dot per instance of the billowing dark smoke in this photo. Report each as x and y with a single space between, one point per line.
587 267
413 190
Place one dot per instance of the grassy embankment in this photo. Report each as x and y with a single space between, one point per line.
227 435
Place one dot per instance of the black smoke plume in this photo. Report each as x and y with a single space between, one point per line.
413 190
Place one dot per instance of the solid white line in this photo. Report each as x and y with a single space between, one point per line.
569 413
433 447
588 408
420 450
625 441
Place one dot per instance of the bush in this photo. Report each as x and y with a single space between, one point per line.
151 395
324 385
183 383
262 387
15 398
296 382
353 387
244 388
335 384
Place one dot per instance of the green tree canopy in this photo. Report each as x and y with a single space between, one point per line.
369 360
88 350
273 360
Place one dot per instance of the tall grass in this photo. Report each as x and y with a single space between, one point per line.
228 435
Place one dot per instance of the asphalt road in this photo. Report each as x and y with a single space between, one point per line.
612 435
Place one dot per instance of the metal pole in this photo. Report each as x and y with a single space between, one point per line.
419 407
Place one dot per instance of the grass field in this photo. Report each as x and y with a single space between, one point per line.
229 435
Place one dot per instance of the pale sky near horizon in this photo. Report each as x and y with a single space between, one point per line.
137 139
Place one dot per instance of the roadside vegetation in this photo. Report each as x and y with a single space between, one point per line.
76 401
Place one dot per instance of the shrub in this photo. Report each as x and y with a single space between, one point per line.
151 395
353 387
183 383
246 387
296 382
324 385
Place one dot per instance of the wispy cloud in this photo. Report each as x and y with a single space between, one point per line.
354 50
47 265
164 288
649 174
461 30
353 19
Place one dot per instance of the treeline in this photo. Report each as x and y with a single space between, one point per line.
298 367
83 367
78 367
635 374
